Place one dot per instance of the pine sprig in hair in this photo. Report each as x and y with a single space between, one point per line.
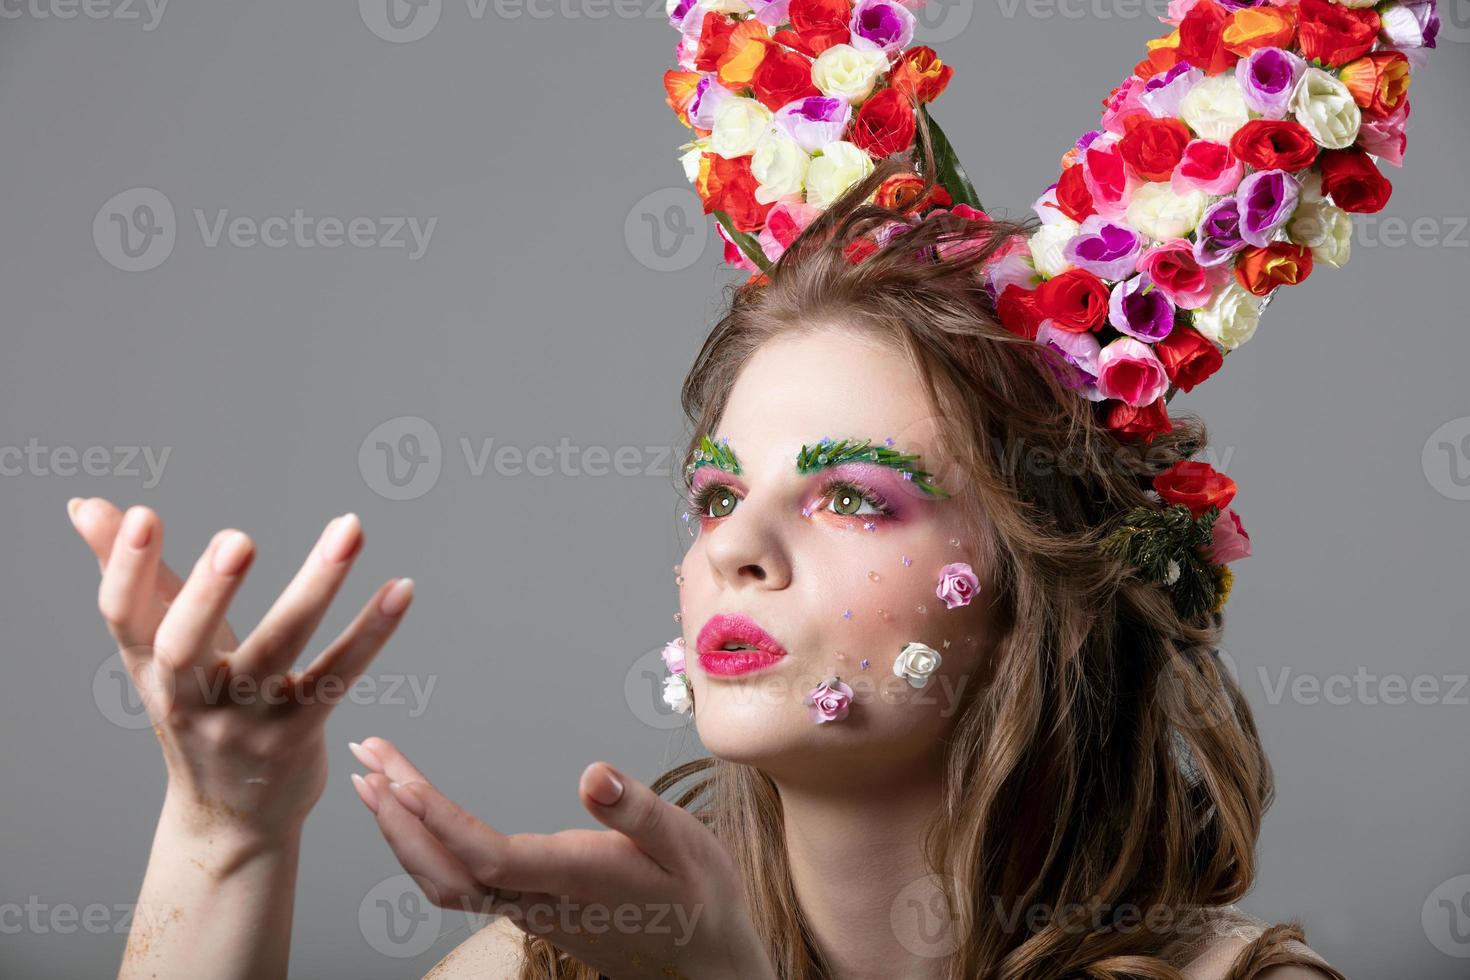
1168 546
829 453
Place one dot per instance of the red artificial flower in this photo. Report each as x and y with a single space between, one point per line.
920 74
816 25
783 76
1274 144
1201 38
1073 198
1198 486
1075 301
714 39
884 125
1152 147
1334 34
730 187
1379 82
1017 311
1142 423
905 193
1188 356
1353 182
1260 270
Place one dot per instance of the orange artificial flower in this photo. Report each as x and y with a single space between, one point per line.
744 51
1379 81
1261 270
679 89
1259 27
920 74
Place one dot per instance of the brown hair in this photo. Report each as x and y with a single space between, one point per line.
1111 732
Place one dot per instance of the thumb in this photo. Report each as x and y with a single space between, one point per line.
664 832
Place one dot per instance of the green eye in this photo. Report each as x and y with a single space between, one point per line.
847 501
721 502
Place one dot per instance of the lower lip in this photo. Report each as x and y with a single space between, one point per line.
731 663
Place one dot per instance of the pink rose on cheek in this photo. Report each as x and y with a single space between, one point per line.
829 701
673 655
958 584
1229 540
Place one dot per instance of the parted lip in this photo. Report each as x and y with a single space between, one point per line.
722 629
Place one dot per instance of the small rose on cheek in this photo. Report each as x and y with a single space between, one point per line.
829 701
958 584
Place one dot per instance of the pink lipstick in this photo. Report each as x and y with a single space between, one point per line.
733 645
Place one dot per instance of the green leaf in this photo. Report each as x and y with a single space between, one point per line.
745 242
947 169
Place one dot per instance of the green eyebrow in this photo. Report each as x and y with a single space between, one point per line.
711 453
828 453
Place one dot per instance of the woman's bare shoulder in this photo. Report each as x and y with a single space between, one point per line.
491 953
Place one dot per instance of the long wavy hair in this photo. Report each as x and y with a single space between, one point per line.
1113 763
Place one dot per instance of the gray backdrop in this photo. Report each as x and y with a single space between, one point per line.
566 284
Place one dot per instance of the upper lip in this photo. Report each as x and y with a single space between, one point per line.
722 629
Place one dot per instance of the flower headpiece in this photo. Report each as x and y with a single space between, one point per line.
1225 166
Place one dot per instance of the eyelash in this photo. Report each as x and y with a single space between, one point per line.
700 501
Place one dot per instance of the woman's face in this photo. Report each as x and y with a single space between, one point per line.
840 565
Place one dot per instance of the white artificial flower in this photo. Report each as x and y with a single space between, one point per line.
916 663
1326 230
1215 108
677 694
738 124
1048 242
1325 107
780 166
1161 214
847 73
1230 317
840 165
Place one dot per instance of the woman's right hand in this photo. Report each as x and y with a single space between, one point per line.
243 735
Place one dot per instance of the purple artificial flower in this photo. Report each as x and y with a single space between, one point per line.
814 121
1076 362
1267 199
1267 79
708 94
881 25
1141 310
1085 140
1102 247
1218 236
1163 94
772 13
1411 25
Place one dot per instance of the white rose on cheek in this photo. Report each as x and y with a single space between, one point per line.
916 663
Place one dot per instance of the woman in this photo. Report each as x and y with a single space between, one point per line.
951 737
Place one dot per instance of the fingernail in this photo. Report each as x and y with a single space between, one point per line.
341 538
609 790
230 554
395 600
72 506
136 530
365 792
408 796
366 756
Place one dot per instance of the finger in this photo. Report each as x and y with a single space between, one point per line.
187 632
668 834
444 878
97 521
125 596
355 647
275 643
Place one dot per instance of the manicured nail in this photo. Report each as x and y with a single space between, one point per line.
608 790
231 554
72 506
341 538
408 796
365 792
395 600
366 756
136 530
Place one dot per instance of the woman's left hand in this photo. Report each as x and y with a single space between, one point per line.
656 893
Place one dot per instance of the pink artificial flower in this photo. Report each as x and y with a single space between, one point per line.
1174 271
733 255
1129 371
1123 104
1109 179
673 654
828 701
1383 136
1208 167
784 223
1228 538
958 584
